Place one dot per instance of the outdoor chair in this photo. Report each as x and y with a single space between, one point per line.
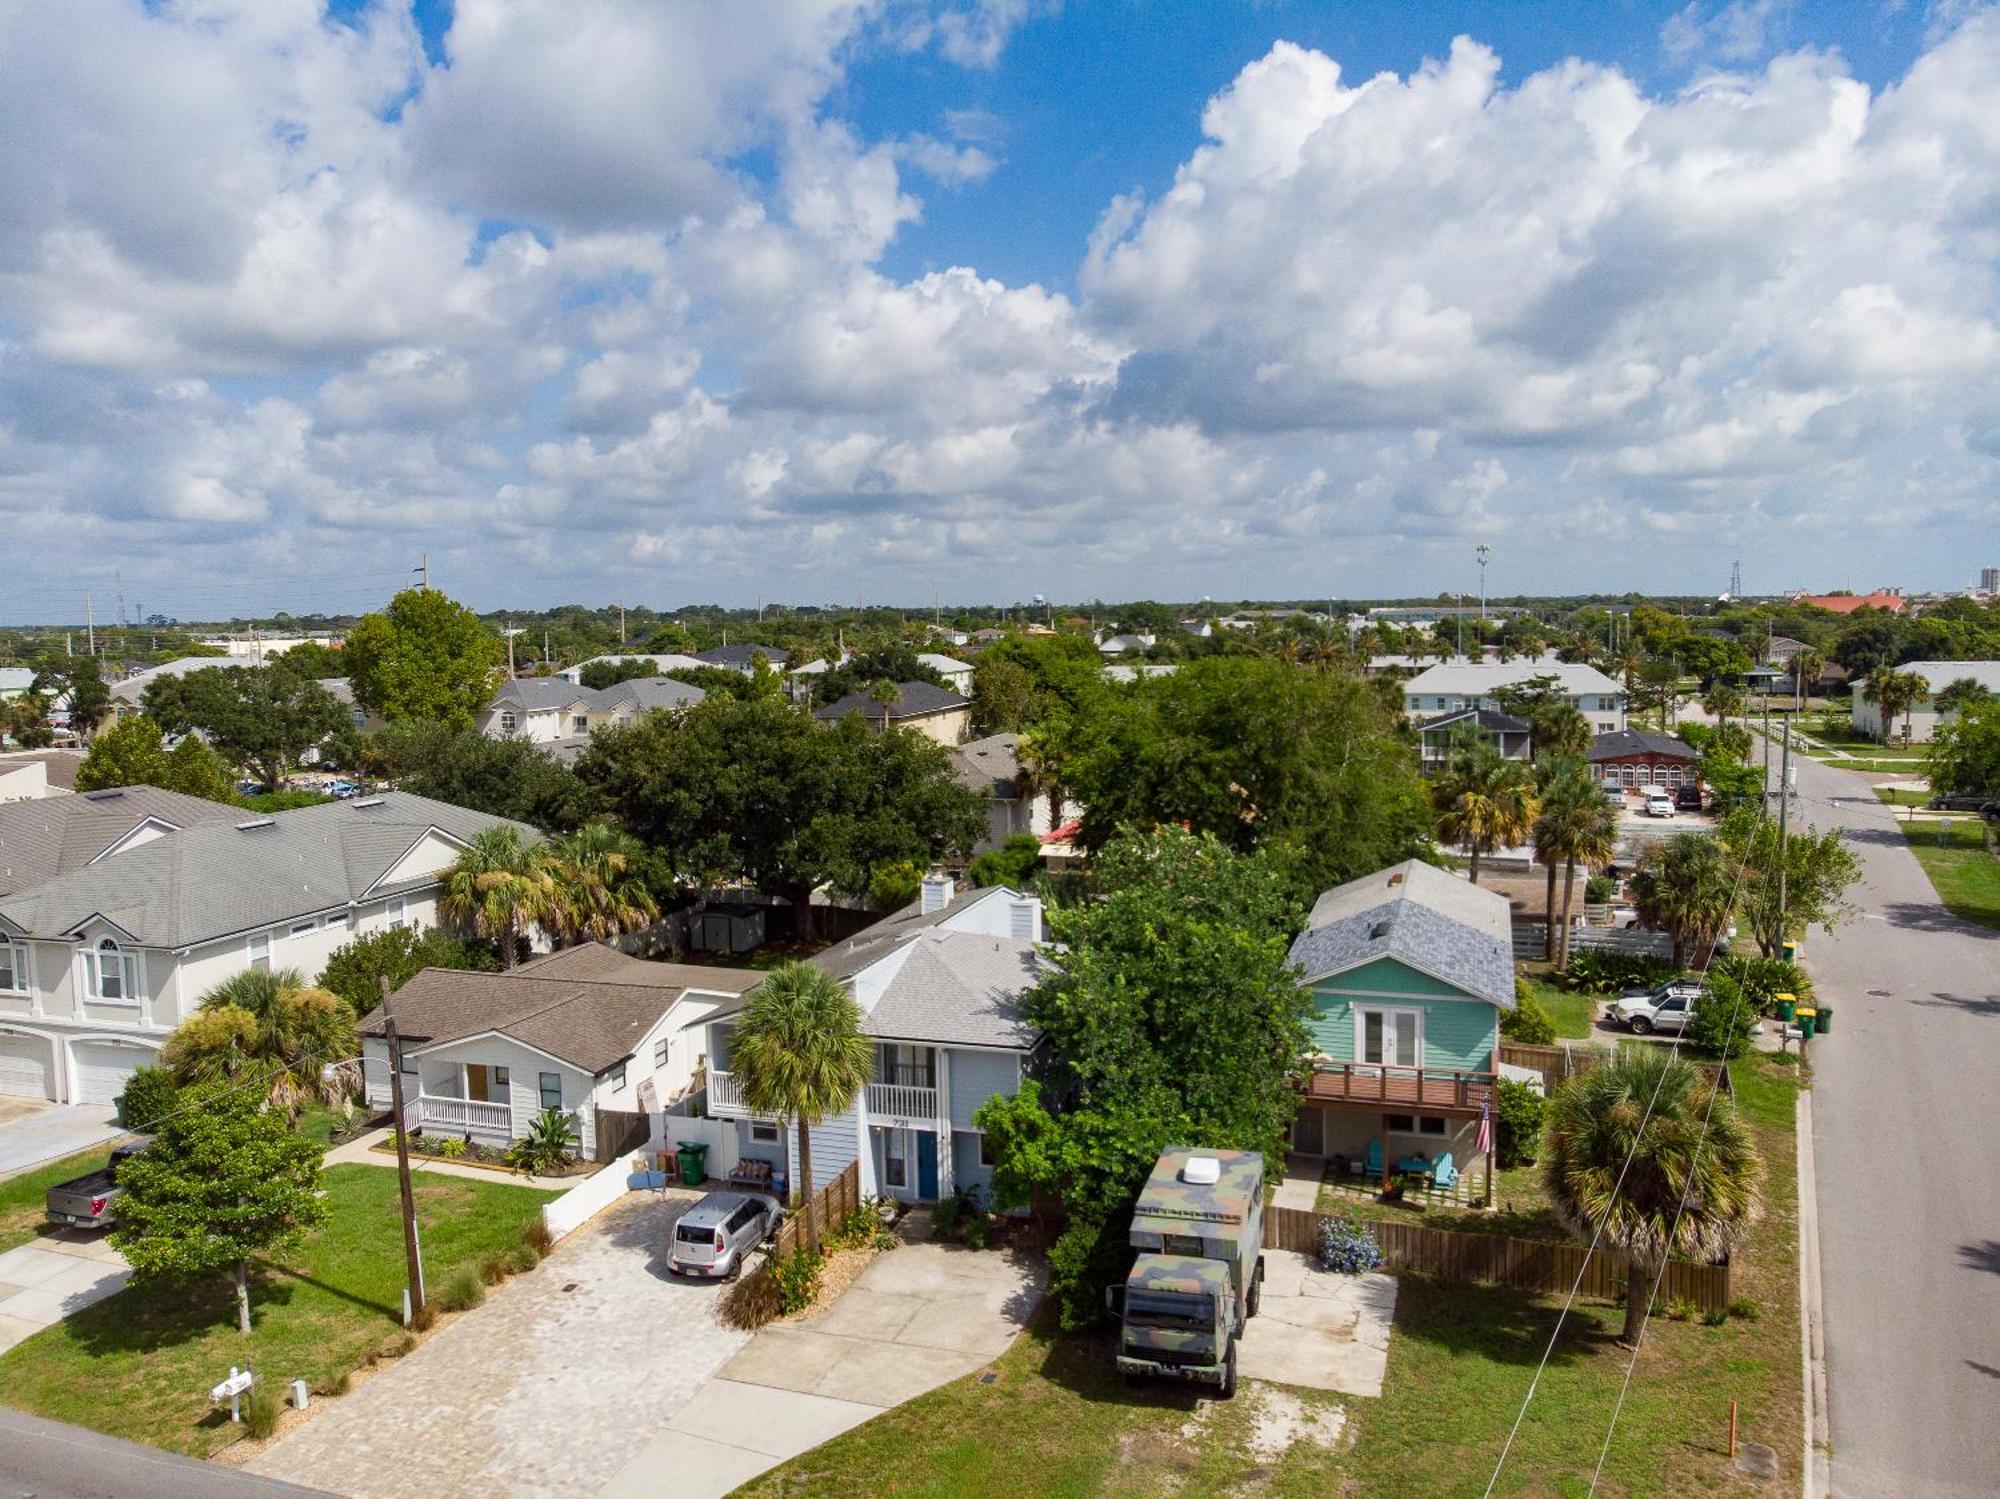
1444 1175
1372 1165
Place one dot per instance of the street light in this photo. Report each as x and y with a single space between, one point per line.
1482 550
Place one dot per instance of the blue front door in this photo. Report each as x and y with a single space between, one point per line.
926 1165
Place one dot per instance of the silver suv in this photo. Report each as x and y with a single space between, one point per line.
712 1238
1666 1008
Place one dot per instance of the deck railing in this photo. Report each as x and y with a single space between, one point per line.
1406 1087
725 1098
436 1112
896 1103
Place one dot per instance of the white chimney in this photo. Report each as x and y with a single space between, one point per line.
938 889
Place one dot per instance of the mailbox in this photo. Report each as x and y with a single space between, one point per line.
232 1390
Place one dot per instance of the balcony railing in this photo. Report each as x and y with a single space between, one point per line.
435 1112
896 1104
725 1098
1402 1087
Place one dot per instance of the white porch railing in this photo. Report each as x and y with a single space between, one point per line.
901 1106
458 1113
725 1098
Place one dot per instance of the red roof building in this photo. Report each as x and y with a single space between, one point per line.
1847 603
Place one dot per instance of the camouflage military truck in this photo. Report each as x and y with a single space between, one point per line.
1199 1230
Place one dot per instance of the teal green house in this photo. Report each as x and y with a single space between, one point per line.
1409 970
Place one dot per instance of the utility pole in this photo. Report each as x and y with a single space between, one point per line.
621 627
424 566
1784 820
89 627
1484 551
510 633
412 1251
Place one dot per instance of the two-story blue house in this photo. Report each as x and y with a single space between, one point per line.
939 986
1409 970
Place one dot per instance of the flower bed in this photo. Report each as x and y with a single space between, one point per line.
455 1150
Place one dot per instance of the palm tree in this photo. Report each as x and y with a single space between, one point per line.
270 1021
499 888
1686 888
1723 702
1895 694
1041 771
1484 800
1690 1187
1807 664
1574 825
800 1054
886 695
597 890
1961 693
1562 730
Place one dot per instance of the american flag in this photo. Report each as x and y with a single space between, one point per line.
1485 1141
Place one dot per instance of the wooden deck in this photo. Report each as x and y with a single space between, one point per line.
1430 1090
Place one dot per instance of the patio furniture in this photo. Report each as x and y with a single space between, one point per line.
1416 1165
751 1171
1372 1166
1444 1175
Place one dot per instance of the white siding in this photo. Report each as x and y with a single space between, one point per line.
976 1076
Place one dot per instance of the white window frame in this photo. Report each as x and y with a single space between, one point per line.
1389 1013
395 912
542 1089
304 928
618 1078
94 959
579 723
763 1132
15 955
507 721
258 946
896 1160
499 1077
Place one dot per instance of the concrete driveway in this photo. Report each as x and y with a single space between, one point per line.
1318 1329
33 1132
918 1317
547 1390
54 1276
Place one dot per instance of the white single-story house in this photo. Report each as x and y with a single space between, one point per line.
1924 717
581 1030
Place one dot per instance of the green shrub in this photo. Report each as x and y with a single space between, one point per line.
1599 889
1714 1318
1529 1022
1347 1246
1089 1255
1518 1121
861 1228
452 1149
148 1096
548 1145
1744 1307
355 971
1723 1019
462 1292
494 1269
1599 971
796 1278
1014 863
261 1408
1681 1309
1764 978
522 1258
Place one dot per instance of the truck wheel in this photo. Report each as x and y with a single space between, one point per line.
1641 1026
1229 1374
1257 1287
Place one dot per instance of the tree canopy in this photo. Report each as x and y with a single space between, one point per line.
511 778
1174 1017
1964 755
260 718
426 657
755 790
1818 867
355 970
129 753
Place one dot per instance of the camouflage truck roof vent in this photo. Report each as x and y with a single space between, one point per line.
1202 1171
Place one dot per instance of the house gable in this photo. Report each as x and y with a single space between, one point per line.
1460 1030
430 856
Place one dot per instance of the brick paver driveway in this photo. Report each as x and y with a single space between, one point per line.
546 1390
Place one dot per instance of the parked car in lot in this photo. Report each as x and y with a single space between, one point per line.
1688 799
87 1201
1985 803
1643 1011
712 1238
1659 804
342 790
1615 795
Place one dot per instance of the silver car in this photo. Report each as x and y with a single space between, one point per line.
712 1238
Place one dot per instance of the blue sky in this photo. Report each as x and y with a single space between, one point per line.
898 299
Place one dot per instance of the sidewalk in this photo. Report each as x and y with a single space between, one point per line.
360 1151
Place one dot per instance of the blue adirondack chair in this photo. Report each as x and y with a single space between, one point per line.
1373 1165
1444 1175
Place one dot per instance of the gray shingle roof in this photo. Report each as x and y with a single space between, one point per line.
132 688
1479 678
243 871
989 766
742 657
1625 742
1434 921
959 989
1489 720
50 837
540 694
913 700
647 693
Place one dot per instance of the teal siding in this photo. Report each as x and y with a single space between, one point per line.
1460 1033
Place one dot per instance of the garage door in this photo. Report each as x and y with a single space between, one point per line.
24 1067
102 1070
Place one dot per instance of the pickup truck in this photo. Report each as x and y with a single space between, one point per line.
1666 1008
86 1201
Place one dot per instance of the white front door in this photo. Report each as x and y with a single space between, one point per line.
1392 1038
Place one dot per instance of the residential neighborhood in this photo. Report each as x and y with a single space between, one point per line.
973 749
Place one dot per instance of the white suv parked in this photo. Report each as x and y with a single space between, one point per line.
1659 804
1663 1009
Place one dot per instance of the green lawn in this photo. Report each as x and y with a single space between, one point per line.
1056 1420
23 1198
1902 796
1965 875
139 1364
1573 1011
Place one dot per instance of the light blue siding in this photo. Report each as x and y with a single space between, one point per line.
965 1167
1460 1032
835 1145
975 1077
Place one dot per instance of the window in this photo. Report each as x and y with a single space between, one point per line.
579 724
660 1053
13 967
551 1090
987 1155
304 928
1416 1124
109 974
506 722
1431 1124
260 949
764 1133
617 1077
895 1165
500 1077
1400 1124
1389 1038
392 913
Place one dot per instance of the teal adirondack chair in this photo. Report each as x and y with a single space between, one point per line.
1444 1175
1372 1166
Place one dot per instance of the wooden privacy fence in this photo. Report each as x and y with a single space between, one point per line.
619 1132
1529 1264
827 1207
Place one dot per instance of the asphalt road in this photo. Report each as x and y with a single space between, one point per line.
48 1460
1906 1129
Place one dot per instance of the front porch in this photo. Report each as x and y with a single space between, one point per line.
469 1116
1395 1126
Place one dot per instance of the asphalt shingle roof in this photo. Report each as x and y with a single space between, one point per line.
959 989
52 836
913 700
743 657
1479 678
242 871
590 1006
990 765
540 694
1490 720
1625 742
1434 921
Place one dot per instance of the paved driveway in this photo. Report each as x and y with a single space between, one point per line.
919 1316
53 1276
1905 1137
32 1132
547 1390
1317 1329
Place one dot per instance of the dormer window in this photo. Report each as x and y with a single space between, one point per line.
109 973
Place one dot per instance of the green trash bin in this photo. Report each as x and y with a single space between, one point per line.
694 1162
1808 1022
1787 1007
1789 951
1825 1019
